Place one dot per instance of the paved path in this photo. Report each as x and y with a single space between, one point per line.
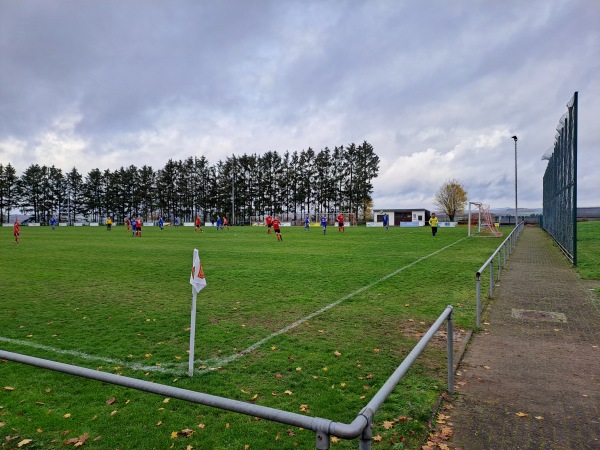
529 360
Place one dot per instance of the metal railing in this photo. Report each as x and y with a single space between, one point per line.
502 253
361 426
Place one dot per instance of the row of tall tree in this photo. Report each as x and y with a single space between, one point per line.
243 188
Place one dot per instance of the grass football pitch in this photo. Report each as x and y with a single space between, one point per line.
104 300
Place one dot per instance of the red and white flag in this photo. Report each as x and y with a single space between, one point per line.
197 279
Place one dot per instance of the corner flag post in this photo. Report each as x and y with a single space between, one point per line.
198 282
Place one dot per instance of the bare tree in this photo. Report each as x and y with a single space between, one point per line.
451 198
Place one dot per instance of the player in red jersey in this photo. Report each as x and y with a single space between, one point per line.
198 225
127 223
16 230
340 219
269 223
276 226
138 226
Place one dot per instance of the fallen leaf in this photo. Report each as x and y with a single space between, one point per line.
246 447
273 348
377 438
446 432
166 400
335 440
111 400
66 416
290 433
186 432
278 375
9 388
298 369
24 442
522 414
539 417
159 423
201 425
288 392
114 412
387 424
336 353
255 396
174 434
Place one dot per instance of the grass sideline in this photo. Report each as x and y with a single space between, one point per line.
90 293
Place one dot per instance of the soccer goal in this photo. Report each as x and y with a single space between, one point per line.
481 223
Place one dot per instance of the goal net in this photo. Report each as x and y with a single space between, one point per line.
481 223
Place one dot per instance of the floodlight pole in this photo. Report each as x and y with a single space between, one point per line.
516 204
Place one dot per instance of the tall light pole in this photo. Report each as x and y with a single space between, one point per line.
516 204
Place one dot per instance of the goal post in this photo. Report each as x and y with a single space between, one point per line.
485 224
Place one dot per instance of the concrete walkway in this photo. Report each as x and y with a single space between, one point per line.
530 379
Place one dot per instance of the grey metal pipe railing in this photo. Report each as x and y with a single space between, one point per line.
323 428
507 245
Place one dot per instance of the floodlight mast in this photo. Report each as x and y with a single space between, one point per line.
516 203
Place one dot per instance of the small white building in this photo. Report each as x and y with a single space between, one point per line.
401 217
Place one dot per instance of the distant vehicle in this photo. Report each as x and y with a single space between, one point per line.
25 220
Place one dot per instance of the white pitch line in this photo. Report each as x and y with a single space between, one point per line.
220 362
83 355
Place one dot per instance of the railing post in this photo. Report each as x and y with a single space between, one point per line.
365 437
491 278
322 440
499 266
478 290
450 345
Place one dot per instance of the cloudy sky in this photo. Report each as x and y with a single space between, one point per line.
437 87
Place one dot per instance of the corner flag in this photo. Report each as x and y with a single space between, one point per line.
197 279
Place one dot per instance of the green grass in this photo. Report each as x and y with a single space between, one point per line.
588 246
126 301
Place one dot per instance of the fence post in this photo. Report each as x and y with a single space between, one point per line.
499 266
450 345
491 278
365 437
322 440
478 290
